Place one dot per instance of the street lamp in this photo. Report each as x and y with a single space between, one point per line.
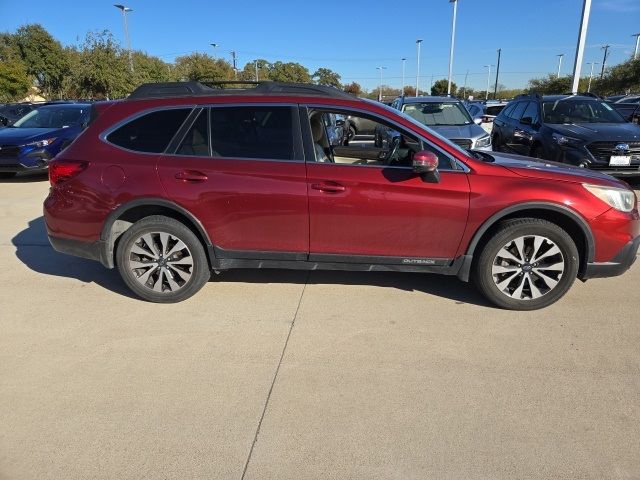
124 11
559 62
214 45
591 74
453 41
486 94
582 37
635 52
380 92
418 42
404 61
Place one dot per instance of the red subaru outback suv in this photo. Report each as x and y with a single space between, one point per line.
181 179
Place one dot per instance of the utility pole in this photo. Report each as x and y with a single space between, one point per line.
255 64
604 60
486 94
464 89
418 42
124 9
404 61
559 63
495 88
380 92
582 37
591 74
235 69
635 52
453 41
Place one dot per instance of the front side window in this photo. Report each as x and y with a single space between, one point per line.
517 112
387 147
438 113
150 133
531 112
261 132
580 111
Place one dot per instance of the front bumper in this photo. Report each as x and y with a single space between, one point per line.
34 161
617 266
583 157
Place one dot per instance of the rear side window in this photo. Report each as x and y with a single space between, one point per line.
196 141
252 132
149 133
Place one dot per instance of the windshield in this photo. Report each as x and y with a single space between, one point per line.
50 117
438 113
422 126
580 111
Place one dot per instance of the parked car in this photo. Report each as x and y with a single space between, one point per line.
629 107
445 115
180 179
33 140
11 112
581 130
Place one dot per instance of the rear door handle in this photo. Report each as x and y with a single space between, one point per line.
328 187
191 176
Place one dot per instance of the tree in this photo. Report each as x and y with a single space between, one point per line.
43 57
201 66
249 70
147 68
353 88
620 79
550 84
289 72
14 80
409 91
326 76
440 87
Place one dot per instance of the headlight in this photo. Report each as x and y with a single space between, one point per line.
40 143
567 141
483 141
619 198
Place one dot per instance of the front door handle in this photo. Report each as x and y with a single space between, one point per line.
192 176
328 187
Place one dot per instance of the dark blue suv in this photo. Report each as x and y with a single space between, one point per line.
29 144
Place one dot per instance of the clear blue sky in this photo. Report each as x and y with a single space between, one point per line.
352 37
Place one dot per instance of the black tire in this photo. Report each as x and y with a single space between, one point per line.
495 143
510 231
7 175
171 277
538 152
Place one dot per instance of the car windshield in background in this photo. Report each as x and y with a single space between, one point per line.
580 111
50 117
438 113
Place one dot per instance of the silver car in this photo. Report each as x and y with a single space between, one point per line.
447 116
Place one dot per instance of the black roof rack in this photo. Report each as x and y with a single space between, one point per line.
584 94
194 88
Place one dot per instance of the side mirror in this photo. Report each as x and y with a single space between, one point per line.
526 121
425 164
477 120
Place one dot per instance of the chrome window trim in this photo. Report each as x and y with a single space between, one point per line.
463 167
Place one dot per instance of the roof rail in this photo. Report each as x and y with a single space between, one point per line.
535 95
584 94
194 88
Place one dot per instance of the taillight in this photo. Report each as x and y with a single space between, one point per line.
62 170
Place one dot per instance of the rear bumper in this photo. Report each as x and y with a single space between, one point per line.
91 250
617 266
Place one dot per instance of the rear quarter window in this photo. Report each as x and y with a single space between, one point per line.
151 132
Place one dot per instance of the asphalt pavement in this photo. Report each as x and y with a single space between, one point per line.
279 374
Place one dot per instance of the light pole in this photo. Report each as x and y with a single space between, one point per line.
582 37
255 64
559 62
418 42
453 41
590 75
214 45
404 62
380 92
486 95
635 52
124 11
235 68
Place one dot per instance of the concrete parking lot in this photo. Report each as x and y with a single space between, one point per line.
295 375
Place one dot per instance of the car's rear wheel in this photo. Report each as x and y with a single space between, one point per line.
161 260
527 264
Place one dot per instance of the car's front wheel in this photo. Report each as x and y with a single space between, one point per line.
526 264
161 260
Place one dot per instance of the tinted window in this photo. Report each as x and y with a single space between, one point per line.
151 132
252 132
532 112
517 112
196 141
506 111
